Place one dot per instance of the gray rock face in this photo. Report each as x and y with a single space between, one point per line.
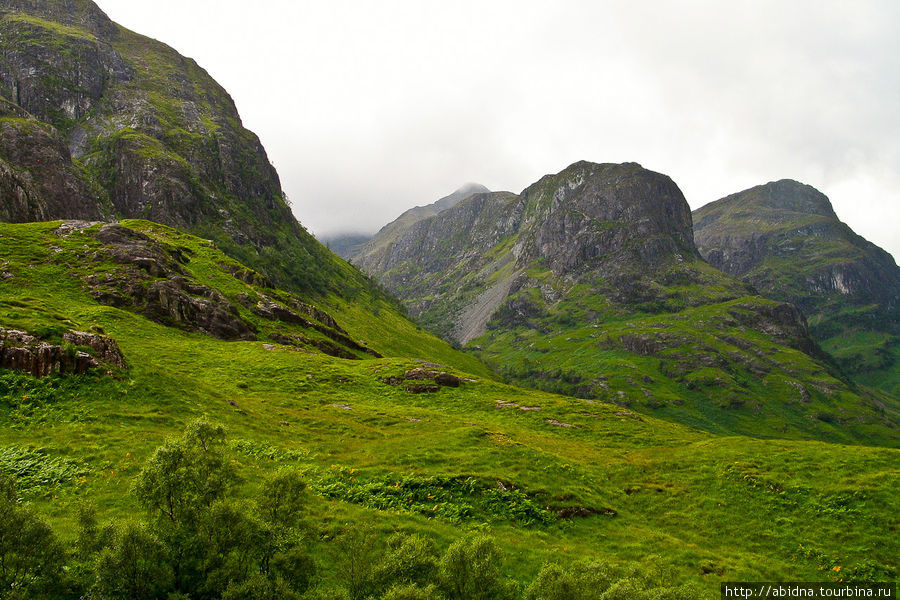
38 180
599 211
369 249
784 239
125 127
621 224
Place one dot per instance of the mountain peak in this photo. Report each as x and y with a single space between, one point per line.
459 195
785 240
783 196
83 14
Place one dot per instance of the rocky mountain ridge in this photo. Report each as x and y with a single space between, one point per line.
617 223
589 283
356 248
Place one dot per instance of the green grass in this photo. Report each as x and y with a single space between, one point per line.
700 366
733 507
57 29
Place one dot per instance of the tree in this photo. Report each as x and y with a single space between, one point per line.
410 559
137 567
185 476
554 582
31 557
282 500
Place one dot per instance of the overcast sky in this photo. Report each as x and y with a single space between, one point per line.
369 108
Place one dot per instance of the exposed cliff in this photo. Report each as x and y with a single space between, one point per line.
625 229
589 283
785 239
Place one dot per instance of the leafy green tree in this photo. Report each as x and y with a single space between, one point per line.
282 499
137 567
469 570
217 545
185 476
231 543
553 582
293 566
357 558
259 587
92 537
31 557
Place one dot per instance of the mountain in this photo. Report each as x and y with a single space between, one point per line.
344 244
785 239
99 122
390 232
589 283
304 439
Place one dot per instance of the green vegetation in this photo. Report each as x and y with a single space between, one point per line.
785 239
560 485
692 366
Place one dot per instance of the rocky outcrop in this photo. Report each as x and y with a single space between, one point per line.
785 239
79 353
364 249
152 281
623 227
301 314
422 380
613 213
38 180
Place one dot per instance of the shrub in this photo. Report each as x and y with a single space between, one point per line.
469 570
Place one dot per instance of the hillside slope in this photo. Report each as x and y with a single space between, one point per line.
785 239
391 445
102 123
588 282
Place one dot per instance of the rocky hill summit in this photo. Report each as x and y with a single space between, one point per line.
99 122
785 239
588 283
621 226
358 249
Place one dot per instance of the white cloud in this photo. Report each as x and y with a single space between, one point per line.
367 109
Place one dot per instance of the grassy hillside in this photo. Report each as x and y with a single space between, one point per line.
550 478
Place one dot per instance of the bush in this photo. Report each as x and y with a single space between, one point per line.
31 558
554 583
411 559
469 570
412 592
185 475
